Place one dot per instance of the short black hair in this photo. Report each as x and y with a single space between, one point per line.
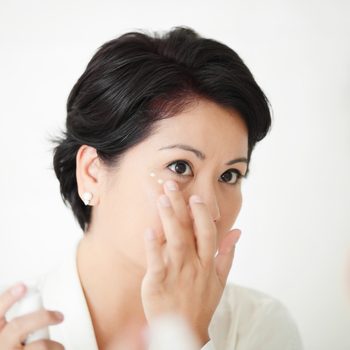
137 79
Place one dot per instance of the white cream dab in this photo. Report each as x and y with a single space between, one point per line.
160 181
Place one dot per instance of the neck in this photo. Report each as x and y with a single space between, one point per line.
112 288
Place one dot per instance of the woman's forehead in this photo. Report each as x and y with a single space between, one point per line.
203 124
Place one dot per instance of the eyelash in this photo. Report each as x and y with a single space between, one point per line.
237 172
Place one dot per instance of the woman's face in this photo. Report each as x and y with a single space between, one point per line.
127 196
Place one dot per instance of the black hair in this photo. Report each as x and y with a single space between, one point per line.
137 79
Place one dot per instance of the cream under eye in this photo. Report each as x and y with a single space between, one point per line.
180 167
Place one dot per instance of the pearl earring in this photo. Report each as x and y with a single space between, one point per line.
86 197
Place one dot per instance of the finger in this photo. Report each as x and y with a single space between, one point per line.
9 298
18 329
175 233
205 230
44 344
154 257
223 260
178 203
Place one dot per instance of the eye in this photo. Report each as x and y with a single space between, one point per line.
179 167
231 176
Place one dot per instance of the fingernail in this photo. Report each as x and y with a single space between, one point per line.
164 201
227 250
59 316
234 241
237 237
17 290
150 234
171 185
196 199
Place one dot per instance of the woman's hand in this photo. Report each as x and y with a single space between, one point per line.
183 274
14 333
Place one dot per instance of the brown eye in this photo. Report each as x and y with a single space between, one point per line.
231 176
180 167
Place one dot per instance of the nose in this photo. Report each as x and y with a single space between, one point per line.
210 199
215 211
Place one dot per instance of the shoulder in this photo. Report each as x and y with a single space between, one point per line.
256 320
252 302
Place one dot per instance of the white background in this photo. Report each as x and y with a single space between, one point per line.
295 218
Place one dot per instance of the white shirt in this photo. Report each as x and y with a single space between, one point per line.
245 319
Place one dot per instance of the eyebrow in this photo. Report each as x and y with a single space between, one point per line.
201 155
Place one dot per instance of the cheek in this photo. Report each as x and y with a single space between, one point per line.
229 213
152 188
234 208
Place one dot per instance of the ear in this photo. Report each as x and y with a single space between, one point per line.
89 172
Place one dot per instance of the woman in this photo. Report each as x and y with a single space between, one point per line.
160 132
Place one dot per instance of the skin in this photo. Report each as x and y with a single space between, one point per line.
137 253
137 272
